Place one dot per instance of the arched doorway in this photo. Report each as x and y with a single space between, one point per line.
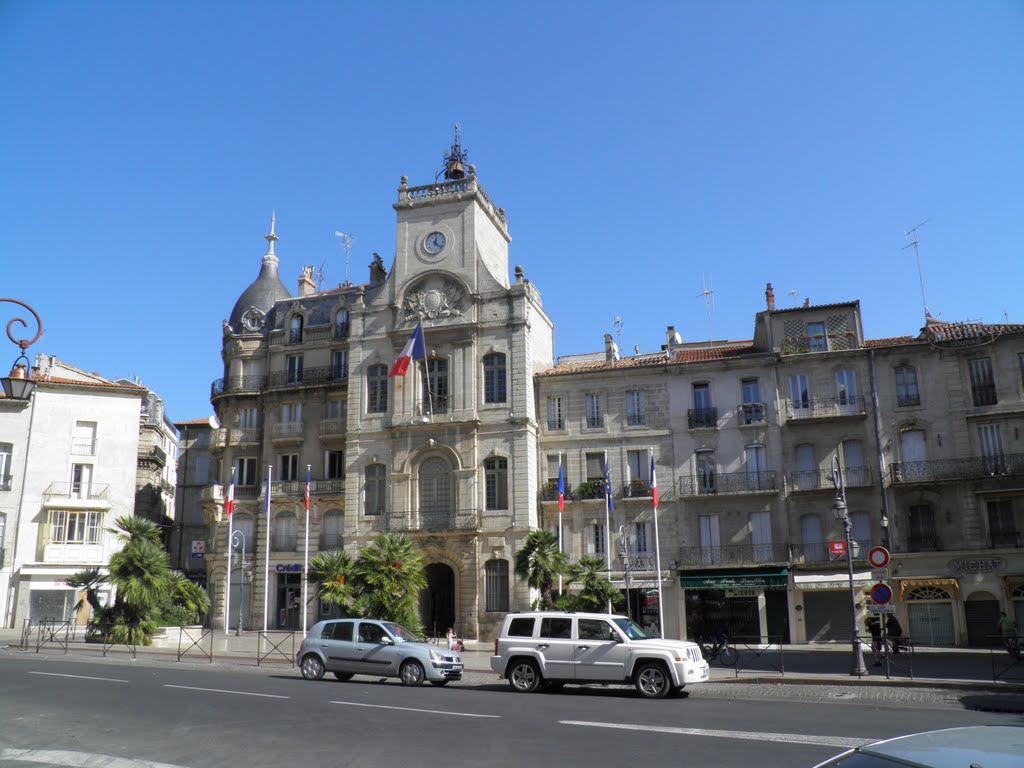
437 601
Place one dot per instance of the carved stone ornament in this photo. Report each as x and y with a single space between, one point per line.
253 319
434 298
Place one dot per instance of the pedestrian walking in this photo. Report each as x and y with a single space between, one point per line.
874 627
895 633
1008 631
450 637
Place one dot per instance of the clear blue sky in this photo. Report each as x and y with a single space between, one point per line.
642 151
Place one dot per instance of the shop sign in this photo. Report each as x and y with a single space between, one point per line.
957 335
288 567
741 593
976 564
744 581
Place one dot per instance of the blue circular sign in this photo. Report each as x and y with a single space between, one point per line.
881 594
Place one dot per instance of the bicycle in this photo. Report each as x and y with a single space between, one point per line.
1012 643
721 651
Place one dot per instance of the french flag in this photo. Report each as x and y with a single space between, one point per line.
654 485
414 349
229 502
561 487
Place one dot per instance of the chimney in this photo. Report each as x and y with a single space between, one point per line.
670 337
611 353
377 272
306 285
807 301
769 297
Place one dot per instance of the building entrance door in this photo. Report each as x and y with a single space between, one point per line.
289 600
437 601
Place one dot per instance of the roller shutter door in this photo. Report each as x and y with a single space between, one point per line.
827 615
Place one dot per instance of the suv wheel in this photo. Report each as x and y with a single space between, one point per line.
524 676
412 673
312 667
652 681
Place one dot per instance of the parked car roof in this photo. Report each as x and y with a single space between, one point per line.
991 746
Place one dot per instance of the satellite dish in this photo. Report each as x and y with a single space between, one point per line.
678 338
615 350
214 422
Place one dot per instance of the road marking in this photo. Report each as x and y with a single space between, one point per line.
413 709
221 690
80 677
791 738
75 759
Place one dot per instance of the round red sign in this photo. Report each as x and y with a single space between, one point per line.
878 557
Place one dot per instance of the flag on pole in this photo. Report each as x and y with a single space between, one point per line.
561 486
654 484
414 349
229 502
608 487
306 496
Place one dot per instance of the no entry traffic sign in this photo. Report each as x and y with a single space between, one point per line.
881 594
878 557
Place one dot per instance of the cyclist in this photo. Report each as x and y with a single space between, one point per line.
1008 629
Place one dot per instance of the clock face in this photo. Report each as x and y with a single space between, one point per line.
434 243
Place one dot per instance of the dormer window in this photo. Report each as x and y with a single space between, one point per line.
341 326
295 329
817 340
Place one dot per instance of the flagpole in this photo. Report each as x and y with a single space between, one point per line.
266 570
426 376
231 520
561 506
305 560
607 523
657 545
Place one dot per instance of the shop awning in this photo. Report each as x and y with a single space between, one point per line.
950 584
831 580
775 579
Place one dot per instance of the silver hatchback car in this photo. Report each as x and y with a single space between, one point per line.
350 647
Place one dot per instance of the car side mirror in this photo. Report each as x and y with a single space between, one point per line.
386 641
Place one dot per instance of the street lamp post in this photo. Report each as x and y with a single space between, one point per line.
18 384
624 557
839 509
238 540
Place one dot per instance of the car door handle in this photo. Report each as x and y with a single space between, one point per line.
542 646
582 647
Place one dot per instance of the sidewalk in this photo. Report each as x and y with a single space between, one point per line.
976 669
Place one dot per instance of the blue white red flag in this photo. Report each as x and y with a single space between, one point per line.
654 485
306 499
414 349
229 502
608 488
561 487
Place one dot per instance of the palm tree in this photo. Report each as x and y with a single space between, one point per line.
188 597
596 592
539 563
389 575
332 573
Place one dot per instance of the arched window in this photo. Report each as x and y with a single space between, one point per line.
435 493
377 388
284 532
244 532
341 326
494 378
496 585
332 530
496 483
295 329
927 593
375 479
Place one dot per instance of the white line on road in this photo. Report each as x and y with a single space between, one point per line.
65 758
791 738
412 709
80 677
221 690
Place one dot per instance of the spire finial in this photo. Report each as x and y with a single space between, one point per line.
456 158
270 236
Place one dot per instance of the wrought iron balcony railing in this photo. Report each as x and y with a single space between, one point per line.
728 482
636 489
308 377
640 561
906 401
702 418
332 428
1006 539
154 453
751 414
333 485
972 468
237 385
295 336
290 430
88 491
819 552
824 408
341 331
924 544
984 394
821 479
82 446
431 520
243 436
733 554
549 491
590 489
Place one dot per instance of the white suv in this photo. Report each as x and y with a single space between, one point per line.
550 648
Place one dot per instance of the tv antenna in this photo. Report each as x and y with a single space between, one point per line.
792 292
346 243
320 276
912 235
617 322
708 294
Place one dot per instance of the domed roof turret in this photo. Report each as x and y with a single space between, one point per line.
256 302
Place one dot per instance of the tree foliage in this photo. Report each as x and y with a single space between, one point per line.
594 591
539 563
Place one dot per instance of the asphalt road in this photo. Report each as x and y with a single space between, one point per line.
61 711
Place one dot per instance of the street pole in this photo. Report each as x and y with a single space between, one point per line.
841 512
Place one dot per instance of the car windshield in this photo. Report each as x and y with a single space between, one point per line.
400 633
630 629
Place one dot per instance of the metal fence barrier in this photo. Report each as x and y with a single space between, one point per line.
104 632
894 655
275 649
53 632
762 654
197 638
1005 654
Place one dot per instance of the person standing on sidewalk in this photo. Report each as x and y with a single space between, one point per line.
895 633
874 627
1008 631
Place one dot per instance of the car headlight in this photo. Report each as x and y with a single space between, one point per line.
435 656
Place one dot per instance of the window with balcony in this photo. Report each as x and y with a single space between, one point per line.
812 542
907 393
807 475
74 527
846 391
291 413
710 540
592 405
435 491
336 408
248 418
706 471
752 409
554 460
245 527
246 471
83 439
495 390
295 329
339 364
334 462
435 386
642 542
555 420
756 465
853 463
341 324
496 586
817 338
6 457
761 547
702 415
595 469
374 493
285 528
289 467
639 467
496 483
922 535
294 369
983 385
377 388
634 409
990 439
1002 524
597 542
81 481
332 530
799 395
860 533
